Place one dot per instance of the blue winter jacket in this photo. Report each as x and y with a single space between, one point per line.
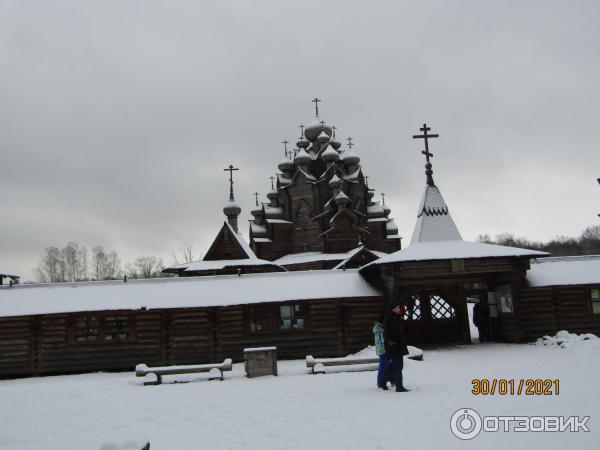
379 342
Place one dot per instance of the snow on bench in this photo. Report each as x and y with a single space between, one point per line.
141 370
317 365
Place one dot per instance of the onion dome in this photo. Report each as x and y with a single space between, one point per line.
286 165
330 155
302 144
272 194
335 182
323 137
341 199
335 144
386 209
314 129
349 157
257 211
231 208
302 158
391 228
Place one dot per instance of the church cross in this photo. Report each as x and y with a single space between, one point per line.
383 198
272 178
230 169
367 180
350 144
256 194
426 137
316 102
334 128
285 143
301 132
322 124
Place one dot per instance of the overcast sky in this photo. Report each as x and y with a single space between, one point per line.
118 117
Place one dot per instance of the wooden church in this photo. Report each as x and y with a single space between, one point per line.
323 261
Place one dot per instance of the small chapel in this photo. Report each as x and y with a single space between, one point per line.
322 261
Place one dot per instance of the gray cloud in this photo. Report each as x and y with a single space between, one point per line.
116 118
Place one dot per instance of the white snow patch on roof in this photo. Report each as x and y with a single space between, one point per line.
434 222
257 229
423 251
262 240
221 264
299 258
188 292
566 270
4 273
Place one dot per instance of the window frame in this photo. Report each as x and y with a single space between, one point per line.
594 301
277 318
102 328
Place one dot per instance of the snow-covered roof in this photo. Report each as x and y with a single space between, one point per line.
257 229
273 211
242 242
221 264
375 210
434 222
306 257
5 273
188 292
423 251
565 270
277 221
262 240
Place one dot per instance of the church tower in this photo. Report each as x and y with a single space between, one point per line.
320 202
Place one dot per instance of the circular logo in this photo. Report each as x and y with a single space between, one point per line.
465 423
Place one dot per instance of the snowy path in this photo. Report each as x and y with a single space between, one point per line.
301 411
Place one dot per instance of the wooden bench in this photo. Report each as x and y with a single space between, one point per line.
141 370
317 365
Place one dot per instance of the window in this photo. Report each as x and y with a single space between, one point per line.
292 317
504 297
96 329
87 329
116 328
269 319
595 296
263 320
440 308
413 308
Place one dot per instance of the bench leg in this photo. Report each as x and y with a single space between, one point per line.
154 383
220 377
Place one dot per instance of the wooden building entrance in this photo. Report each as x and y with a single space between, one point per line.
435 316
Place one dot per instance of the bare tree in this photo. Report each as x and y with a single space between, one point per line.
185 255
590 240
145 267
67 264
105 265
75 261
51 267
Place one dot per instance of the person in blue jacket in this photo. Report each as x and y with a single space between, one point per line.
383 372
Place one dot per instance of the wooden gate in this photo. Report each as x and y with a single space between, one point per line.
433 317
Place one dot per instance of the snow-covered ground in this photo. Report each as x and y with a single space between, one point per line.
296 410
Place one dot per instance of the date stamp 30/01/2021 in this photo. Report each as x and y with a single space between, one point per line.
523 386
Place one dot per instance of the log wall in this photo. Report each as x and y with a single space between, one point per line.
45 344
546 310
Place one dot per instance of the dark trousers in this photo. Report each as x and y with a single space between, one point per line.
383 373
483 333
397 365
